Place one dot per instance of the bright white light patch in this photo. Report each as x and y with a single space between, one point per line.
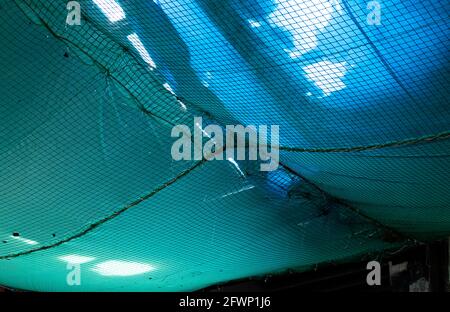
327 75
121 268
245 188
254 24
137 43
207 78
25 240
168 88
111 9
76 259
303 19
183 106
203 130
235 164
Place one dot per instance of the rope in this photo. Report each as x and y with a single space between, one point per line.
114 215
411 141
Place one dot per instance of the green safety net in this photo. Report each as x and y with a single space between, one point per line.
88 185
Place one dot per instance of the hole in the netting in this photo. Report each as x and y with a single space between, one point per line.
15 234
66 54
54 235
4 242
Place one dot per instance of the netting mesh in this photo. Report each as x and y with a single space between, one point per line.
86 113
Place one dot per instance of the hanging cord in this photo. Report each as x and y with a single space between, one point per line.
411 141
114 215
